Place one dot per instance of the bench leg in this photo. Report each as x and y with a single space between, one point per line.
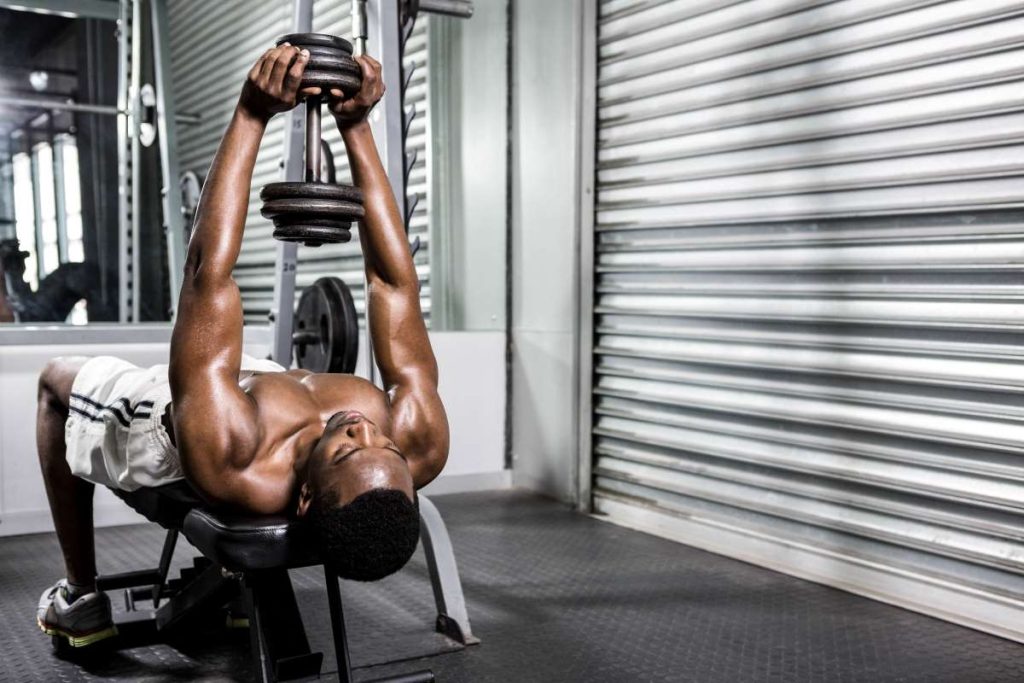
165 565
338 628
280 648
341 641
452 618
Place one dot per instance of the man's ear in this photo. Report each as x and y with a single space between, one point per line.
305 499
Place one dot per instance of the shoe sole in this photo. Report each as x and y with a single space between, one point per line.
78 640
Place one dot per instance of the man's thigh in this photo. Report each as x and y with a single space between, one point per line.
58 376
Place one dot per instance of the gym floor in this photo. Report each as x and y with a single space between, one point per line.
554 596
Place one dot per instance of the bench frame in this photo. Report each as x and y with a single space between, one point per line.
280 648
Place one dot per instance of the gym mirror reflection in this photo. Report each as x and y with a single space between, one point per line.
64 246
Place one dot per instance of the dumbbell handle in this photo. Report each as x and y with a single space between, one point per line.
313 139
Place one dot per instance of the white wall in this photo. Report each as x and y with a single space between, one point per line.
545 166
472 367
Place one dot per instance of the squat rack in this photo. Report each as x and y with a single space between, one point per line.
385 24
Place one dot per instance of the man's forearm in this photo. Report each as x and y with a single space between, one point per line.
385 245
220 218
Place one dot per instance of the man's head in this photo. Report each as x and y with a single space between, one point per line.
358 498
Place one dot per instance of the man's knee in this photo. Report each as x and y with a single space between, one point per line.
57 378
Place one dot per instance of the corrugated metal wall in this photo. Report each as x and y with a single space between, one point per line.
808 278
212 47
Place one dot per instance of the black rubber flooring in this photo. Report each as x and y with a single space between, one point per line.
555 596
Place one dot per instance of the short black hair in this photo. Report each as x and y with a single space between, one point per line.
368 539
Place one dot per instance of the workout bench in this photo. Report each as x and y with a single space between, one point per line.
244 565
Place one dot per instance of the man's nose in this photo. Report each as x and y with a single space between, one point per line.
361 430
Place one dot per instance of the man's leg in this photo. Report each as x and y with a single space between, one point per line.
70 497
71 608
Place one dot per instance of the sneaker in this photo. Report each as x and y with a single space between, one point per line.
83 622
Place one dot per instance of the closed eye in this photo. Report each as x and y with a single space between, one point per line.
340 456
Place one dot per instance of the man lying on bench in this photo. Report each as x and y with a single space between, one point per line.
332 449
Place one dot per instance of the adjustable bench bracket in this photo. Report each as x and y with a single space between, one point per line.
452 617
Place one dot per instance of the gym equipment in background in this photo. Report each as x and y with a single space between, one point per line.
326 333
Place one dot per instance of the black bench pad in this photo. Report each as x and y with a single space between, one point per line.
234 540
243 542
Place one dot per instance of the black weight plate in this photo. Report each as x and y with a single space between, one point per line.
283 221
299 190
332 60
313 235
325 208
316 39
350 321
348 84
326 310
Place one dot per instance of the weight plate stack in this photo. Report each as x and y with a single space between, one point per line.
330 62
326 336
312 213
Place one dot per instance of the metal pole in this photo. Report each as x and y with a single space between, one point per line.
360 36
51 104
383 32
37 209
359 31
282 311
134 118
124 161
386 120
587 132
174 229
60 209
461 9
7 197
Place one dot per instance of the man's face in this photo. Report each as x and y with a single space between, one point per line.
354 456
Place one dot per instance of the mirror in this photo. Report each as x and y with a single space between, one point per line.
62 255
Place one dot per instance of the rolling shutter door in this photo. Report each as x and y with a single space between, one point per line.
212 47
809 241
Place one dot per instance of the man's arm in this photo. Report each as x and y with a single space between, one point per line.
400 342
214 420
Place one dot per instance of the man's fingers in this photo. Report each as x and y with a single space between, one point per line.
374 64
291 69
268 65
370 74
254 72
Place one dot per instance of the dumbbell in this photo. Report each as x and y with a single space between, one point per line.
315 212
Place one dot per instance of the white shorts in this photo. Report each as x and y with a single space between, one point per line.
115 434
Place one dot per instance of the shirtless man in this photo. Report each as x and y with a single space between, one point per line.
332 449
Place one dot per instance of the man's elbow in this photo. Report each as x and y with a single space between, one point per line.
202 270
